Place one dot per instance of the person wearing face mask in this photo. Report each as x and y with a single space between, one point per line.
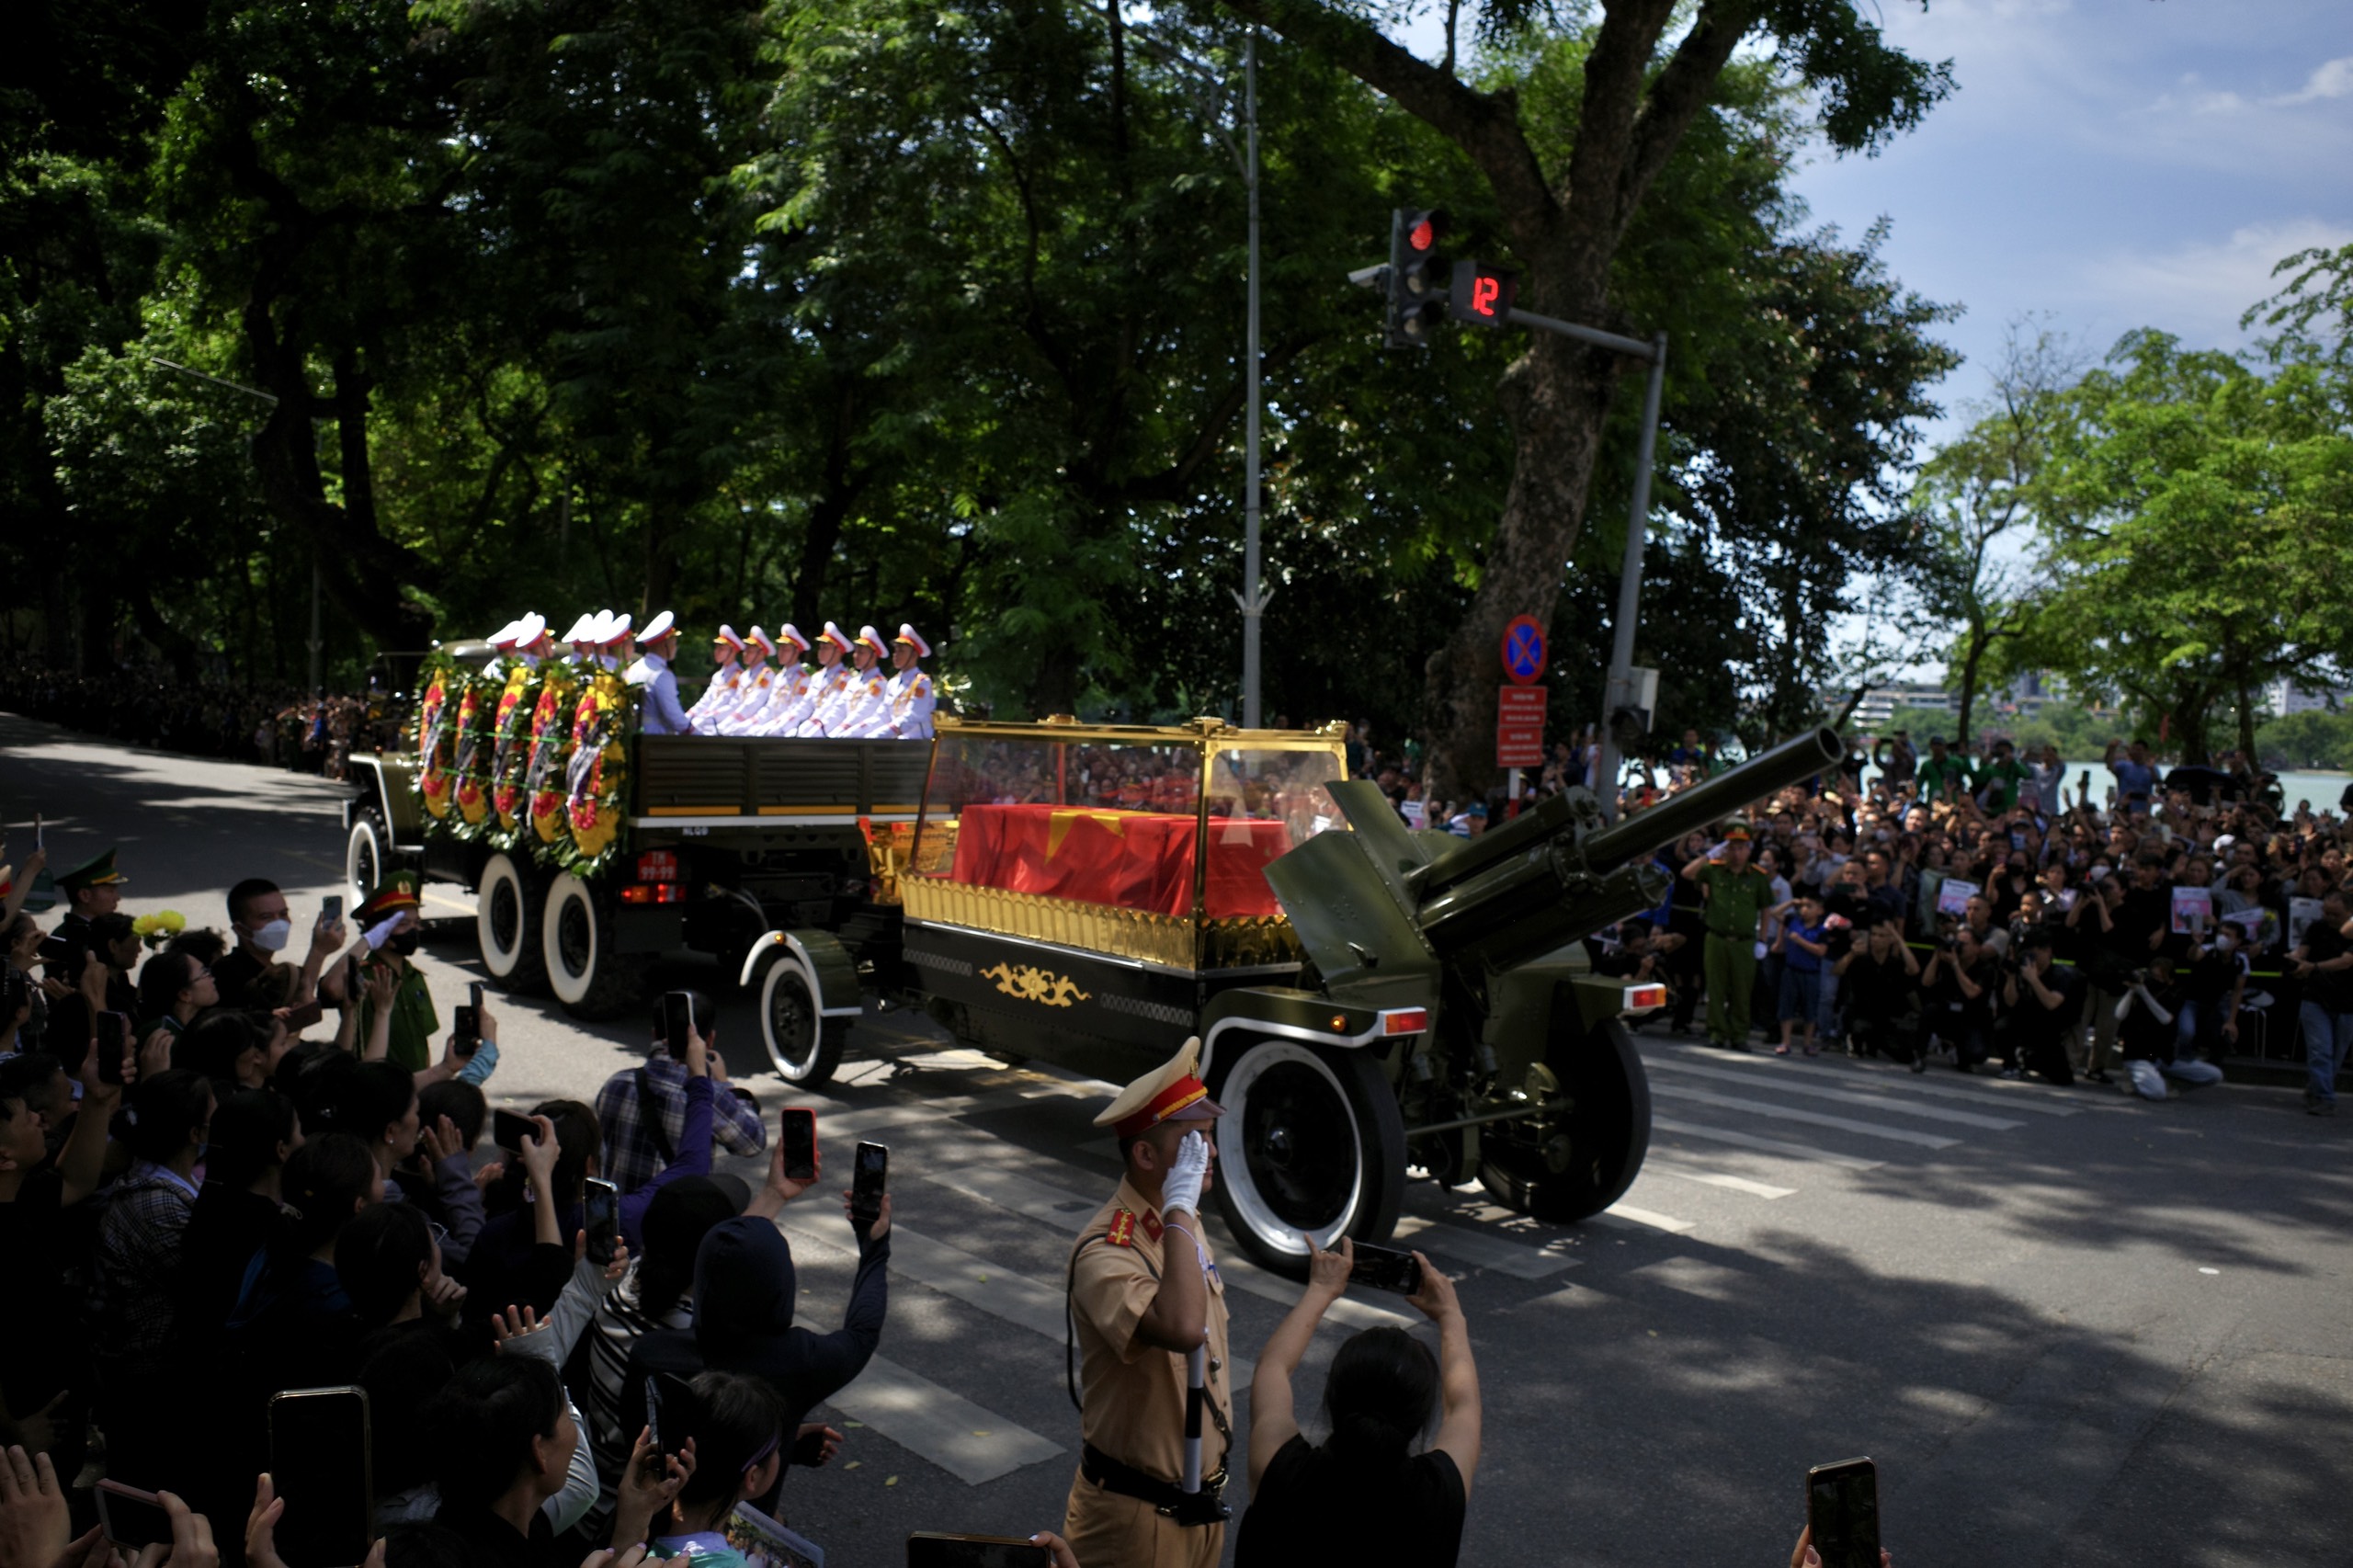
254 976
389 921
2213 986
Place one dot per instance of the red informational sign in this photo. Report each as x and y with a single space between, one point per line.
1524 649
1519 726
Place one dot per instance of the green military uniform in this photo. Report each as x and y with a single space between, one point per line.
2009 773
414 1023
1938 773
1735 899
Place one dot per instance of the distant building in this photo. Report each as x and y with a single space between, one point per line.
2023 697
2285 696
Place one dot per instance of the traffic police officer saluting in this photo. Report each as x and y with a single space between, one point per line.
1144 1296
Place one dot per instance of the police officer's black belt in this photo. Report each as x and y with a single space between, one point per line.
1206 1506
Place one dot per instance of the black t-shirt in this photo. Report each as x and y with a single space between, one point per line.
2048 1023
39 1336
246 982
1311 1506
1876 988
2329 988
2211 976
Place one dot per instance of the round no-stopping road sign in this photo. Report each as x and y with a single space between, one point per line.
1524 649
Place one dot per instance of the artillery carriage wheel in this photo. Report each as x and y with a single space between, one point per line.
1311 1141
1590 1157
509 904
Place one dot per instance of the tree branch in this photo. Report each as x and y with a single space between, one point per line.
1679 94
1484 125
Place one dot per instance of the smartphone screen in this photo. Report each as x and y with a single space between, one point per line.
798 1129
132 1518
870 1181
467 1022
333 910
304 1016
319 1462
509 1128
678 1021
1841 1510
926 1550
1386 1269
114 1034
601 1211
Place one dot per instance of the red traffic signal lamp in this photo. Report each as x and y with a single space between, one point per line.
1416 277
1482 294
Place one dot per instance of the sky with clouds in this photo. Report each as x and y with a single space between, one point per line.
2108 164
2105 165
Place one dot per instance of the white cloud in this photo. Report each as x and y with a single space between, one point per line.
2332 80
2196 290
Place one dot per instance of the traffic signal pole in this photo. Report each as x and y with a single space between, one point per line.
1253 599
1405 281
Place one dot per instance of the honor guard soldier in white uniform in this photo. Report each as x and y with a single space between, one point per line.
502 645
867 712
831 685
532 643
911 695
1148 1312
720 696
582 638
752 694
789 700
613 643
659 713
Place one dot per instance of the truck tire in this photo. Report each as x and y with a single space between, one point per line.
804 1045
509 904
576 941
1312 1140
1589 1162
366 853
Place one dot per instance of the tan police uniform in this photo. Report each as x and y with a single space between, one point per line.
1126 1509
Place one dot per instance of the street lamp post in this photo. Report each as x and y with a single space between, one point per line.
1253 597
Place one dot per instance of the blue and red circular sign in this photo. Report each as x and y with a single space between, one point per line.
1524 649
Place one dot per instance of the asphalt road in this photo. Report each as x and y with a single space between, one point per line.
2070 1328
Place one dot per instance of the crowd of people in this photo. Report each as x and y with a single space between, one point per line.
270 722
1971 912
561 1335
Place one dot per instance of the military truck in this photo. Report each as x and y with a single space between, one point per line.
591 848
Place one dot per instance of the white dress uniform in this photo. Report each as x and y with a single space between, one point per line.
866 712
719 697
787 689
827 685
752 690
912 697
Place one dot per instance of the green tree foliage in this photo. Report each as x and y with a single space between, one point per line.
875 311
2198 517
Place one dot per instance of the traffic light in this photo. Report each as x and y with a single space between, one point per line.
1482 294
1416 290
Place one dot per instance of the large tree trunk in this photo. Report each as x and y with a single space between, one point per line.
1969 666
1556 396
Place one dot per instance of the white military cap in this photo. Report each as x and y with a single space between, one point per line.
908 635
611 627
762 639
531 629
727 635
837 636
791 633
658 628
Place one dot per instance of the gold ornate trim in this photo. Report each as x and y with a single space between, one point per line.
1235 942
1039 985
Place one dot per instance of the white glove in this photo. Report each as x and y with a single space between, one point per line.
1183 1188
380 933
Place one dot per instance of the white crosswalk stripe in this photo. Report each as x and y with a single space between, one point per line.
1772 1111
968 1442
1763 1146
1893 1103
2034 1099
1657 1166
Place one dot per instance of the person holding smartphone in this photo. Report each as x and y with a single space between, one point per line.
253 974
645 1110
1306 1501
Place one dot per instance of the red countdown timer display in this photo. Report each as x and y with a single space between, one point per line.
1482 294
